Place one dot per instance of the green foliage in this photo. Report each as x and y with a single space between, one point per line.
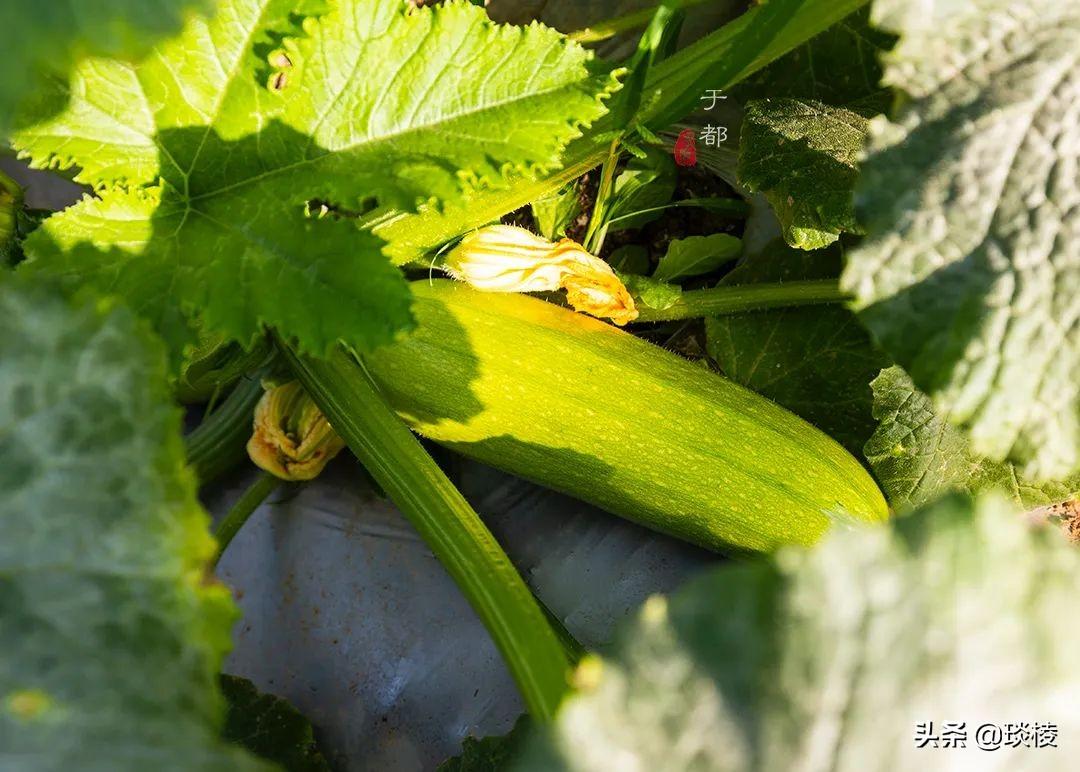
630 259
110 634
673 89
839 66
269 727
216 363
645 183
802 155
969 271
695 255
10 207
489 754
805 125
45 39
816 361
719 61
917 454
829 658
557 211
651 293
208 176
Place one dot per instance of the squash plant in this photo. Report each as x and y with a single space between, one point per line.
269 187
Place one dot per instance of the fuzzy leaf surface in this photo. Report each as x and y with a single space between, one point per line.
830 658
802 155
971 267
806 122
209 155
917 454
111 637
840 66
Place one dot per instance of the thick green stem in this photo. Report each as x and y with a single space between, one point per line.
720 301
398 462
217 444
235 518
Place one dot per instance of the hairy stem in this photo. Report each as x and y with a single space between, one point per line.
235 518
720 301
397 461
217 444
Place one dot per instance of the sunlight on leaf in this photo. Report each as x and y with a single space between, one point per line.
969 273
830 658
44 39
232 163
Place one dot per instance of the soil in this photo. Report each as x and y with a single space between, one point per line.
686 338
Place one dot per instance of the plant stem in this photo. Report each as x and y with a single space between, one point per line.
397 461
612 27
719 60
594 241
719 301
731 207
235 518
217 444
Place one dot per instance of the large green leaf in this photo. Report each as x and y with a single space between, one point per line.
111 634
839 66
917 454
830 659
969 274
817 361
210 155
46 38
806 122
802 155
673 89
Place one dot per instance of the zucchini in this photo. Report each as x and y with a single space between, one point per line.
580 406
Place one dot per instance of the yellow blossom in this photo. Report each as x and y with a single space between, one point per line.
592 287
291 439
505 258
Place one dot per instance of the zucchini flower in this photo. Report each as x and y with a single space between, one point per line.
292 438
505 258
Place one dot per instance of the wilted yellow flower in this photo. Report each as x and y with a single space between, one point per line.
592 287
292 438
505 258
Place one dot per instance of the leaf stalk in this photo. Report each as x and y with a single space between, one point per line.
720 301
394 457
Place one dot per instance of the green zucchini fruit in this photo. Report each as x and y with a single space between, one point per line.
580 406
